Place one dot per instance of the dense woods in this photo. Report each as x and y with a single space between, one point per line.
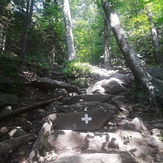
54 31
41 25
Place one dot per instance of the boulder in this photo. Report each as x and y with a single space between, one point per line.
114 85
132 142
154 142
136 124
86 120
65 140
85 106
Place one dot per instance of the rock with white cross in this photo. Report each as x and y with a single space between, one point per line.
86 119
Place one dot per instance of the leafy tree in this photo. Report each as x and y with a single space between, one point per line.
88 28
130 55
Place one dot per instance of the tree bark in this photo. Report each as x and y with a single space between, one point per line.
155 40
71 55
28 23
107 58
130 54
2 38
8 146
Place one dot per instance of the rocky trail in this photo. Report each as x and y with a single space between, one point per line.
56 122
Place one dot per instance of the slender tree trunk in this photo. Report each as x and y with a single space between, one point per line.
71 55
28 23
129 53
107 57
155 40
2 38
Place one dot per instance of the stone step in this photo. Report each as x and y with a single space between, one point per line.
113 144
122 157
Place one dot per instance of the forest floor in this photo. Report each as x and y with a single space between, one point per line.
131 132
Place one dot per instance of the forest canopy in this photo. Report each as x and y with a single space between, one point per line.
42 23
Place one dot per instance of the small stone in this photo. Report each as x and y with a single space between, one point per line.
17 132
138 125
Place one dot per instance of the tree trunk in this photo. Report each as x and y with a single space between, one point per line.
7 146
71 55
28 108
155 40
28 23
107 58
129 53
2 38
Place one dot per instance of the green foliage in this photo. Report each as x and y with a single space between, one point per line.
46 36
88 28
41 61
9 65
41 65
75 69
138 95
81 82
9 78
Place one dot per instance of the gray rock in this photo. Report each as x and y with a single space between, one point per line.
97 158
112 86
17 132
84 106
86 120
135 143
136 124
59 92
122 106
65 140
95 89
154 142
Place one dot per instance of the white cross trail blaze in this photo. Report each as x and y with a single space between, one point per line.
86 119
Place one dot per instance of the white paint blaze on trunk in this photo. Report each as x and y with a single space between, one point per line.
69 36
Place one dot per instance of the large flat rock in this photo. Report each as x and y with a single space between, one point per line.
83 106
84 121
132 142
97 158
63 140
85 116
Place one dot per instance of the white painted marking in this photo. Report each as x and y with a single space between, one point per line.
86 119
